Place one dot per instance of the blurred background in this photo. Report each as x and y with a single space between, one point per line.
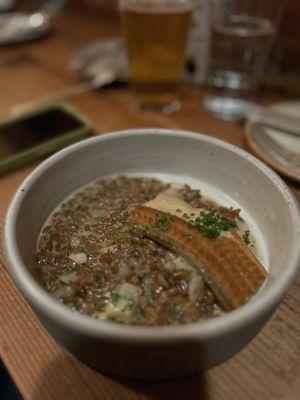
53 62
283 70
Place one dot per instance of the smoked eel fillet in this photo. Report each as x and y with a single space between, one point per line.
227 265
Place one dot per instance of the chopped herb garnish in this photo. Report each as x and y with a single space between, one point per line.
137 315
134 241
98 275
75 298
129 305
246 238
66 206
178 210
69 270
185 216
211 224
189 235
63 296
115 298
87 253
149 294
163 222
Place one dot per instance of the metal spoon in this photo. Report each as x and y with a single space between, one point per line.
109 68
103 78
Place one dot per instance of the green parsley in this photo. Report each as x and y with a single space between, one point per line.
189 235
130 305
127 261
211 224
246 237
66 206
149 294
138 314
63 296
76 296
97 275
163 222
69 270
115 298
87 253
134 241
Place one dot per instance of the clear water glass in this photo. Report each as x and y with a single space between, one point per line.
242 33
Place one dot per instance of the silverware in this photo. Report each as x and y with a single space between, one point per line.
104 77
96 54
101 50
273 147
100 69
274 119
102 62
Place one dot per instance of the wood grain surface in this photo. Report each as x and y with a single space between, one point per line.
268 369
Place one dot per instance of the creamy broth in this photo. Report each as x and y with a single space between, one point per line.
90 259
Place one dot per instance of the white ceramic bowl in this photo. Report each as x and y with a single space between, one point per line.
224 172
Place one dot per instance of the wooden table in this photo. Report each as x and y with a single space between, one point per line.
269 368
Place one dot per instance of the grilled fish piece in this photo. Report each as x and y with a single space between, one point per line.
227 265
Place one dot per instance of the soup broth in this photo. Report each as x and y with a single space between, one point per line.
94 262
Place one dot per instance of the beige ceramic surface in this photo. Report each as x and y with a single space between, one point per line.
290 142
217 167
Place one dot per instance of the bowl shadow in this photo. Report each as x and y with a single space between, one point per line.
192 387
66 378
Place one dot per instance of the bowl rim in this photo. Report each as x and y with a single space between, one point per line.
43 301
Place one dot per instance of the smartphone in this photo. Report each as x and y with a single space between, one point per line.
39 132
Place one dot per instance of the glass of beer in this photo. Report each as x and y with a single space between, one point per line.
156 34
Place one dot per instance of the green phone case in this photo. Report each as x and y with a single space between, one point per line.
48 146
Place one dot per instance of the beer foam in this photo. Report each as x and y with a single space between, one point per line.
157 6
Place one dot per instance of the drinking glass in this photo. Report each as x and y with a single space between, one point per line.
156 34
242 33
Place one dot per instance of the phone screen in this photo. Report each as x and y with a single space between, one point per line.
31 131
